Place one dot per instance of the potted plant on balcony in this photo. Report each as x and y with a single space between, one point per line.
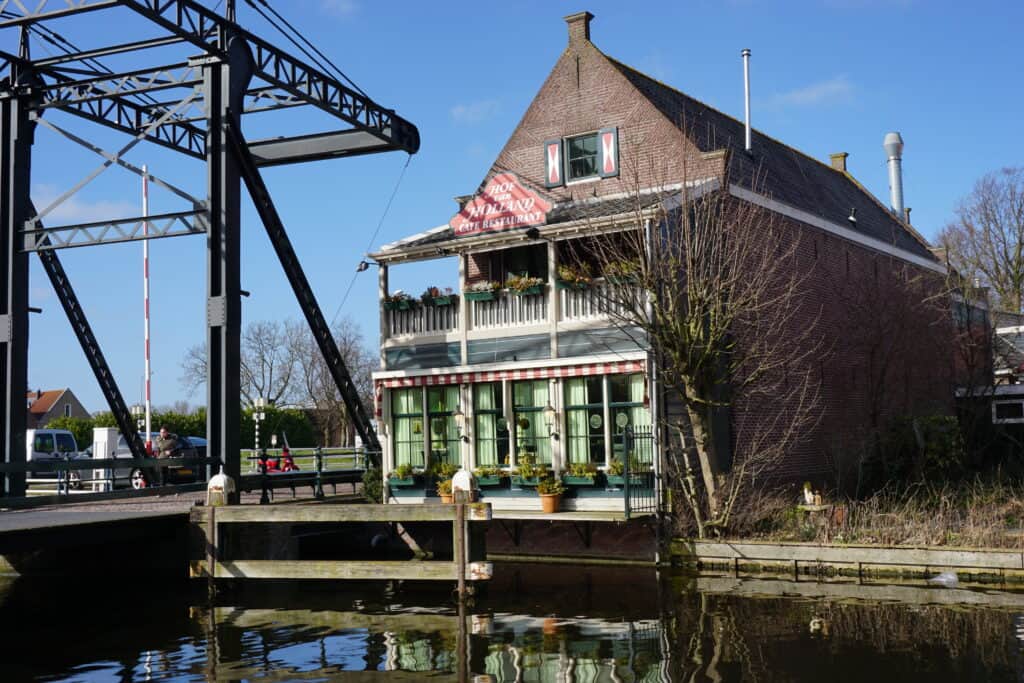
444 489
621 271
398 301
550 491
435 296
482 291
402 476
574 277
489 475
580 474
524 285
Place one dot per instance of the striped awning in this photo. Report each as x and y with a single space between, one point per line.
612 368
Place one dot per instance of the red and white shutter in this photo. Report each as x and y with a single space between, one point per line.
553 163
608 152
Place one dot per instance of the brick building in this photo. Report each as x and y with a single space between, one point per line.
493 374
44 406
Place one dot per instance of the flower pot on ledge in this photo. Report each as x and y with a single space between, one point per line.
569 284
550 502
570 480
444 300
519 482
395 482
488 481
480 296
529 291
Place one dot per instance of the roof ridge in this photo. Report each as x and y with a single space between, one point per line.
845 174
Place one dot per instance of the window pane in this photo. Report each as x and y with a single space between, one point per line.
65 443
406 401
442 402
532 434
492 444
582 156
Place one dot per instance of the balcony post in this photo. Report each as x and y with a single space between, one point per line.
463 312
382 292
554 300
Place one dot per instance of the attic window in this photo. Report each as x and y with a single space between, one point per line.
581 156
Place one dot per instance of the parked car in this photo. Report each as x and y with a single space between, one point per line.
140 478
43 445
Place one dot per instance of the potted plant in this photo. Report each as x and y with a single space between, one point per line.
550 491
573 277
482 291
524 285
435 296
489 475
621 272
615 474
580 474
399 301
444 489
402 476
529 473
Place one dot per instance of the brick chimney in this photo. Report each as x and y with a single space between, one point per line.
839 161
579 27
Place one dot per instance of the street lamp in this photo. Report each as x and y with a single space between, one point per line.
551 419
460 424
259 416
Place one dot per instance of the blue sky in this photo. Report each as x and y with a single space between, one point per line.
828 76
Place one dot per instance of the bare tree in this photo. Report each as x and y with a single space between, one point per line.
268 363
716 294
987 239
316 389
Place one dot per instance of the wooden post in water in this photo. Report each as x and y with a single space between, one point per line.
459 541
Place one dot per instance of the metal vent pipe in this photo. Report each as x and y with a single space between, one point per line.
746 95
893 145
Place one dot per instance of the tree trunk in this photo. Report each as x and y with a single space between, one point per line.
702 444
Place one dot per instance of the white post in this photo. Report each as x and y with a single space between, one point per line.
145 304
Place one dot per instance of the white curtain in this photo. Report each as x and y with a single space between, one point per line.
407 427
486 424
577 420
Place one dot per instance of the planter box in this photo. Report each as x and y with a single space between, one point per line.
444 300
565 284
524 481
489 481
479 296
529 291
577 481
397 305
619 480
401 483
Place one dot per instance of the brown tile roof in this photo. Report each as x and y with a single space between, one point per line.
776 169
42 405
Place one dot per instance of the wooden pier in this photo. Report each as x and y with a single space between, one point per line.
468 561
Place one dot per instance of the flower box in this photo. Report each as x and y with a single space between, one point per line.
480 296
619 480
519 482
444 300
403 305
395 482
568 284
528 291
570 480
492 481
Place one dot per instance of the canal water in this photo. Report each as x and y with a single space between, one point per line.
533 623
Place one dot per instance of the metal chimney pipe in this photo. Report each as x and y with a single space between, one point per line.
746 94
893 145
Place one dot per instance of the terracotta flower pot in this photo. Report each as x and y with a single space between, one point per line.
549 502
446 499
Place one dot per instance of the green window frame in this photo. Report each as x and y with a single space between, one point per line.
442 403
628 409
490 428
529 398
584 420
407 426
581 157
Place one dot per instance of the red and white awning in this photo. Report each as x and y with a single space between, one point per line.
612 368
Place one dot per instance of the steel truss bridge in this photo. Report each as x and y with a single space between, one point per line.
195 107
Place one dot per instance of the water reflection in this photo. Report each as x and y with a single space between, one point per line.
534 623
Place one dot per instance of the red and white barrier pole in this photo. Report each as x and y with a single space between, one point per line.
145 304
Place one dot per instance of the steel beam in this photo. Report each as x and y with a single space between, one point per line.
304 148
304 293
44 9
120 230
225 85
193 22
16 137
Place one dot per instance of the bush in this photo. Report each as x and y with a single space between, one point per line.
373 487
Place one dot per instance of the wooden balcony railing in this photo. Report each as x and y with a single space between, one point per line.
423 320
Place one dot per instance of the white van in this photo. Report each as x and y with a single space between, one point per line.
52 444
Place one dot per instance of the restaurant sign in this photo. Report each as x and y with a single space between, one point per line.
503 204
